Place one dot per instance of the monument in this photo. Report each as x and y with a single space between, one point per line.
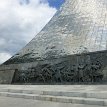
71 48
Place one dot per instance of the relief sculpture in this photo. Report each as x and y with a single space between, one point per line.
61 72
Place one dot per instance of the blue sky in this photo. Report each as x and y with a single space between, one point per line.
52 3
55 3
20 21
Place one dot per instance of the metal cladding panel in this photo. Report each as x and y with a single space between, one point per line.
79 26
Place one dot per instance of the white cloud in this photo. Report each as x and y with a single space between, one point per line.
4 57
20 22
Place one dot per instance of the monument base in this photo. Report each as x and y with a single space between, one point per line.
83 68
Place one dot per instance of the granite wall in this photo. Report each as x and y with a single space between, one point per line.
83 68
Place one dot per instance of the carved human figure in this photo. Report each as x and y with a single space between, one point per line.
81 72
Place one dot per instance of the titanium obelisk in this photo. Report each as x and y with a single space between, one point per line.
70 48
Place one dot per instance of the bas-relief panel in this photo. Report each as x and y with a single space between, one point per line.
77 69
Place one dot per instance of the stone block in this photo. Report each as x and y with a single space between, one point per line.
6 76
77 100
91 101
28 96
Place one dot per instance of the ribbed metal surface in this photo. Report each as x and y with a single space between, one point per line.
79 26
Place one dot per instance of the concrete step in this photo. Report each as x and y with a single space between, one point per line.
89 94
97 95
62 99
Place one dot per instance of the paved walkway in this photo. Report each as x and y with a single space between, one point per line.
19 102
57 87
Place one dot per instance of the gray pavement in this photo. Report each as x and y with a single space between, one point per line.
46 95
57 87
19 102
